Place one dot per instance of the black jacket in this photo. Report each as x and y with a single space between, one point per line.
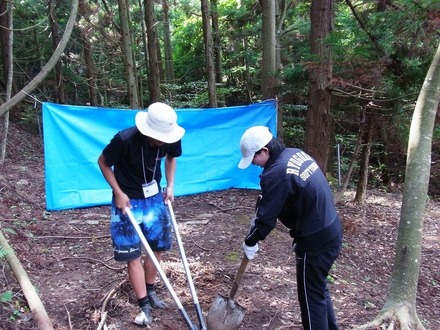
295 191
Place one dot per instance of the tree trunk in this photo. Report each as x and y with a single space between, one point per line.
145 49
318 118
91 78
367 138
130 70
168 47
269 80
48 66
340 193
210 68
384 152
88 56
4 37
9 71
59 80
400 303
153 64
217 52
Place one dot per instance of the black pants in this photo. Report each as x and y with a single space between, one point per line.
313 295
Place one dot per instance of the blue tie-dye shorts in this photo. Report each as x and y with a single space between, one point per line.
153 217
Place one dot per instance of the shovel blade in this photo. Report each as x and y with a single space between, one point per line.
225 314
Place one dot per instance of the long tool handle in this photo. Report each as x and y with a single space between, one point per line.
238 277
186 268
244 262
159 269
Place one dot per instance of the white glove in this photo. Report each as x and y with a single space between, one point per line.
250 251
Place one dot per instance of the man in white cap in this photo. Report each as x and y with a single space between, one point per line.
135 155
295 191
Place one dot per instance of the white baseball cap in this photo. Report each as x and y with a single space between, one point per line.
159 122
253 140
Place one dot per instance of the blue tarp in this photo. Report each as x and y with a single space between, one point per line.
74 137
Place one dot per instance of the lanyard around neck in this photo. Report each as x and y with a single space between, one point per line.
143 164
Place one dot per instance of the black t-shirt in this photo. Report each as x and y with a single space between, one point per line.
134 161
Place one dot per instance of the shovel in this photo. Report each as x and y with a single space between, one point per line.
186 268
164 278
225 313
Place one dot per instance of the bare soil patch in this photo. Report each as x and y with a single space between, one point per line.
68 257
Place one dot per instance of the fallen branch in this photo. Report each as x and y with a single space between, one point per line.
32 298
73 237
231 208
94 260
68 317
108 296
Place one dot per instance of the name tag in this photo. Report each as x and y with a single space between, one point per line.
150 189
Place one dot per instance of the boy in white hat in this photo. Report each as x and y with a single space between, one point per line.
131 164
295 191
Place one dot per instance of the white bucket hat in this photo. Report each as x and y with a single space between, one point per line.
159 122
253 140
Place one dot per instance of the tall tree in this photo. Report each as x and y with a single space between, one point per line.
217 49
318 118
167 45
367 129
85 10
59 79
209 56
153 63
400 304
268 71
127 45
7 22
247 75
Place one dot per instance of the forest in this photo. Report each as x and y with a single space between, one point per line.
356 83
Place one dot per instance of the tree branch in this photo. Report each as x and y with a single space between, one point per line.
17 98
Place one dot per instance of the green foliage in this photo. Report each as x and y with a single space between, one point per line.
191 94
436 133
188 48
6 296
330 279
293 125
4 252
385 55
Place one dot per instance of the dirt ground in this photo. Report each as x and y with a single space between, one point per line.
68 258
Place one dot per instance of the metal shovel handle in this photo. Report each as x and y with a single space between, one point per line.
186 268
159 269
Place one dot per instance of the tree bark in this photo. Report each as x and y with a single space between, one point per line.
153 64
269 81
318 117
84 11
168 47
247 74
210 68
130 70
8 70
59 80
48 66
367 138
217 51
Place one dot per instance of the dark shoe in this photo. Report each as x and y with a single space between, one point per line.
144 317
155 301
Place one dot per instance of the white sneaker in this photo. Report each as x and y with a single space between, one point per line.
143 319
